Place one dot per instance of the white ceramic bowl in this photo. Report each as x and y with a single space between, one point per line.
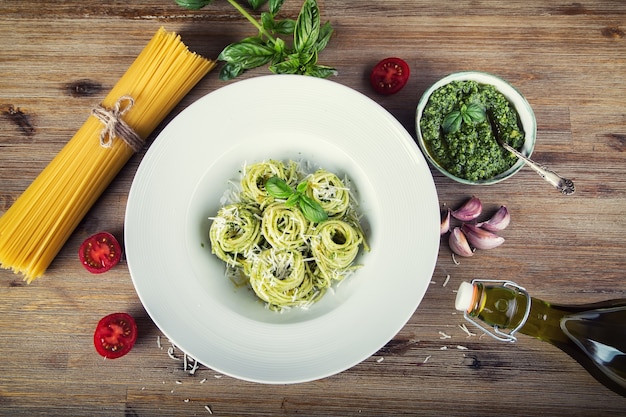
182 178
524 111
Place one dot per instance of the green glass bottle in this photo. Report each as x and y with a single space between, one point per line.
593 334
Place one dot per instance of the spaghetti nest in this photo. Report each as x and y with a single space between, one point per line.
288 260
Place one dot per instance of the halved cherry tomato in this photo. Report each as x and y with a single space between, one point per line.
115 335
100 252
389 75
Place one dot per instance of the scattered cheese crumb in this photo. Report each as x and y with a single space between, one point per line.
179 383
454 260
427 358
186 400
445 336
170 353
446 281
159 342
203 381
218 376
379 360
461 347
466 330
208 409
443 348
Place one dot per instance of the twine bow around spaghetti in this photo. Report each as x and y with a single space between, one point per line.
115 126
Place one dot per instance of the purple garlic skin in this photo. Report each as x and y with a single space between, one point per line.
470 210
499 221
459 244
481 238
445 224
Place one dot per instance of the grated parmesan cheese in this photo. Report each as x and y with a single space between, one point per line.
445 336
466 330
446 281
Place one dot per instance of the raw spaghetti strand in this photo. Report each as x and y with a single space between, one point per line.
37 225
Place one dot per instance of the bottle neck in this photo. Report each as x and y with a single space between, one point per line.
503 306
509 309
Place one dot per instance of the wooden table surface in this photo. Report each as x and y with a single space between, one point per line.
59 59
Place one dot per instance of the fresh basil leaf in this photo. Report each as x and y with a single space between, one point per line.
193 4
307 27
280 48
326 32
320 71
476 112
312 210
293 200
248 53
307 59
290 66
278 188
285 26
230 70
301 188
275 6
466 118
255 4
267 21
452 122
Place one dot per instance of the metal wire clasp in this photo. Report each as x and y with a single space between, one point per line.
495 332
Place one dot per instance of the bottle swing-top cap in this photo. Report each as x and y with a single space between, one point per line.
464 297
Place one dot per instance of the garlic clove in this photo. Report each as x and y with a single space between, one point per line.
481 238
459 244
469 210
445 223
499 221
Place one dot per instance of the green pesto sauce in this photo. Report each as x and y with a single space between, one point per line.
471 152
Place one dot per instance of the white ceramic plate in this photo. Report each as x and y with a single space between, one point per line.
179 184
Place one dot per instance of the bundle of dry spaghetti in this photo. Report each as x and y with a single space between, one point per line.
37 225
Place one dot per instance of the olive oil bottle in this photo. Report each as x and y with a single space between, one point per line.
592 334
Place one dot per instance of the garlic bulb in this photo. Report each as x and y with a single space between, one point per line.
459 244
499 221
470 210
445 224
481 238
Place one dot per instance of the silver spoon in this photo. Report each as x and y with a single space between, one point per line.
564 185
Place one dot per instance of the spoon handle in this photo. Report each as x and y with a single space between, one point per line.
564 185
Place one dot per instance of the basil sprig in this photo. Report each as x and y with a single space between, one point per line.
310 208
309 37
469 114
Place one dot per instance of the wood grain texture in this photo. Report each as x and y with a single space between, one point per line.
59 59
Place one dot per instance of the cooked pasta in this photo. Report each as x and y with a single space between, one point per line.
334 245
37 225
292 261
284 227
327 189
235 232
255 176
